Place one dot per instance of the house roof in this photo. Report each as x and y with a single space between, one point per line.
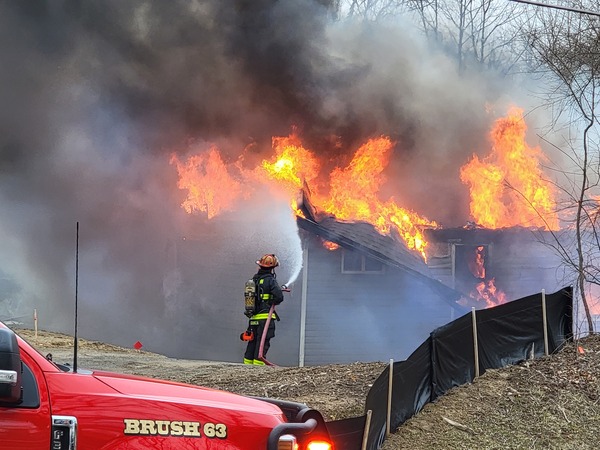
360 236
363 236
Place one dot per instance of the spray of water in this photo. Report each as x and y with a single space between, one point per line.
270 227
296 262
288 245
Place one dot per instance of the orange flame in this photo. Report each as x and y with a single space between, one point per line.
353 192
484 290
330 245
354 196
477 263
487 292
294 165
507 187
210 187
296 209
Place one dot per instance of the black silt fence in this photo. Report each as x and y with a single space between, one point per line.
506 334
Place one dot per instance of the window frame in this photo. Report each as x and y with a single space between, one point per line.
363 263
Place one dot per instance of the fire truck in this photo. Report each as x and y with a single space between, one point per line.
49 406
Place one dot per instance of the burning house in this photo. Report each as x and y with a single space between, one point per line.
503 254
375 278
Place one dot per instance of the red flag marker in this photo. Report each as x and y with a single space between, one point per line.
580 349
137 345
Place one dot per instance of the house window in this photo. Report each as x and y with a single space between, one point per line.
354 262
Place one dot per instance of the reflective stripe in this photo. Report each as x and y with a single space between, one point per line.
262 316
248 361
266 296
258 362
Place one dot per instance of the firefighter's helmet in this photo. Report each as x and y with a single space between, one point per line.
269 261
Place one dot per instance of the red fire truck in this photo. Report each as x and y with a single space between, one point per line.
45 406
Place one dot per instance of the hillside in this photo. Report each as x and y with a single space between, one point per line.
547 403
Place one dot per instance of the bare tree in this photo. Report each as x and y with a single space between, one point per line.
372 9
479 32
565 47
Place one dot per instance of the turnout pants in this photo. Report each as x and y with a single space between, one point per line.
253 348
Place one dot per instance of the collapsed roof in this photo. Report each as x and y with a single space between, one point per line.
363 237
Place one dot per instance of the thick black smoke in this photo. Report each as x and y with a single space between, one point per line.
96 95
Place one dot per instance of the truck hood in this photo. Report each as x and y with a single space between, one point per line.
116 411
170 391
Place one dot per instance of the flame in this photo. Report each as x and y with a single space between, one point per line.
477 263
486 291
507 187
294 165
210 186
330 245
353 190
296 209
354 196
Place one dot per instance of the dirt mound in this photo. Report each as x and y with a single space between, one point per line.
547 403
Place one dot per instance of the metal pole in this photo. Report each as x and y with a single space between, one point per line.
303 306
475 344
453 256
544 321
389 405
366 430
35 323
76 300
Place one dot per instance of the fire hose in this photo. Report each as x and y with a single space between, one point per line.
261 357
264 336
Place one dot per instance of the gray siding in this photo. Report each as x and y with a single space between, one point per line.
365 317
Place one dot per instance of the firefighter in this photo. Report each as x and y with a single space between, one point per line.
268 294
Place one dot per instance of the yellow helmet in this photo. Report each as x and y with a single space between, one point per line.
268 261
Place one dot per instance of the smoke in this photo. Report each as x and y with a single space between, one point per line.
98 94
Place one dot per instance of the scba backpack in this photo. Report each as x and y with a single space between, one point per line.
250 298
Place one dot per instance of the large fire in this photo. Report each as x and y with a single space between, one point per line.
352 194
211 188
507 187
